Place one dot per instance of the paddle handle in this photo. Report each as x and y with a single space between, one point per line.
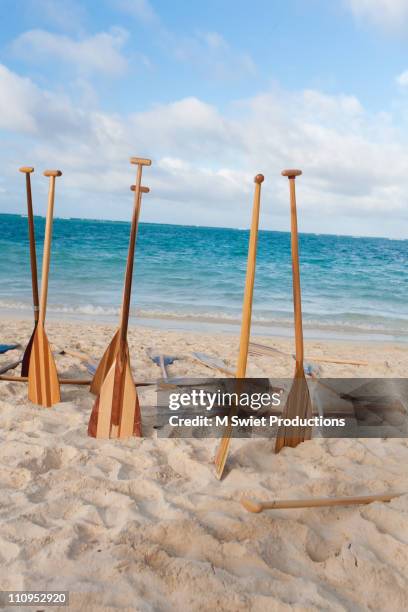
131 251
297 300
47 244
31 235
254 506
249 282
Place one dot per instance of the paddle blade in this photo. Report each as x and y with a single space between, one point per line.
27 354
43 383
105 364
298 405
116 412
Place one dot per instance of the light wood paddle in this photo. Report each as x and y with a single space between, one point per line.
255 506
222 452
27 170
298 402
116 411
111 352
43 384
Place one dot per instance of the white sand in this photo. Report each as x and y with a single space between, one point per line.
144 525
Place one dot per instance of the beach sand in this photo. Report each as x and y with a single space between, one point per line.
143 524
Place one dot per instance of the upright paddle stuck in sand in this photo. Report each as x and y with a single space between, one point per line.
27 170
116 412
298 402
111 352
222 453
43 384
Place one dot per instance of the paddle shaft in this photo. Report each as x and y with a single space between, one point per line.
249 282
131 252
319 502
297 300
62 381
33 255
47 250
222 452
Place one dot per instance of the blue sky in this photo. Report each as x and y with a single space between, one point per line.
213 92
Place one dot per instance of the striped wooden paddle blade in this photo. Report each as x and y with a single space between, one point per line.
27 354
116 411
105 364
43 383
298 404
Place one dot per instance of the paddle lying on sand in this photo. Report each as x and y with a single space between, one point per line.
91 367
7 347
110 353
62 381
212 362
262 349
222 453
27 170
161 360
298 402
116 412
83 357
43 385
255 506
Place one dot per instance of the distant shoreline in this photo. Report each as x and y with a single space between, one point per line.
211 326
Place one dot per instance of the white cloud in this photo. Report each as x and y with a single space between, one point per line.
384 13
25 108
354 163
402 79
100 53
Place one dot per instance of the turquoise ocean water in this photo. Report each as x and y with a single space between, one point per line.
193 278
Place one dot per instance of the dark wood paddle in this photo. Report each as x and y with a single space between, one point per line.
116 411
110 353
223 449
43 384
298 402
27 170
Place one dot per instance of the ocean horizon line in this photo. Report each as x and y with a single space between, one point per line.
212 227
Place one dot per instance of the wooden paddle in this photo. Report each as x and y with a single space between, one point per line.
110 353
262 349
298 402
43 385
27 170
254 506
62 381
222 452
212 362
116 412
